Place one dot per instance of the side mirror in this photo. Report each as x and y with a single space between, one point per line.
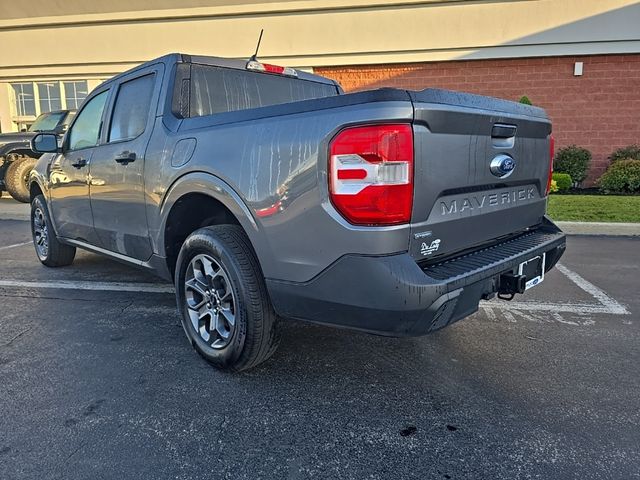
45 143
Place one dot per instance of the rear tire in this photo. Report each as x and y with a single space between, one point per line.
51 252
225 308
17 178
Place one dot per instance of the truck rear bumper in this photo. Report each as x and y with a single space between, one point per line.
392 295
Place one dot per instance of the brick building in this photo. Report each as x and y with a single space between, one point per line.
599 110
579 59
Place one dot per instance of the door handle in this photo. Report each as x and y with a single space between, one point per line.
81 162
125 158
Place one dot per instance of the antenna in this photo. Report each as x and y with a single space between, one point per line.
254 57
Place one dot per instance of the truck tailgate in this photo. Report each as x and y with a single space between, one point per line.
481 170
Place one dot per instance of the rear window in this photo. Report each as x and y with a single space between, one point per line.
219 89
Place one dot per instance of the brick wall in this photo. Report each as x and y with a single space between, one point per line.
599 110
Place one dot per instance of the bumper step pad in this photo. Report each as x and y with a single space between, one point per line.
498 255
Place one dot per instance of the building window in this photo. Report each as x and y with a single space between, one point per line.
75 93
34 98
25 99
49 95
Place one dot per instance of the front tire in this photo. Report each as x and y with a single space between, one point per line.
17 178
225 308
51 252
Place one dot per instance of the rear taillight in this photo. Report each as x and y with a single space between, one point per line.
552 144
371 174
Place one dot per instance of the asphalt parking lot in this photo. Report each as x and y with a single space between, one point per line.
97 380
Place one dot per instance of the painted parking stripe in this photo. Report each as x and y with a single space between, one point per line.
606 304
577 308
7 247
95 286
594 291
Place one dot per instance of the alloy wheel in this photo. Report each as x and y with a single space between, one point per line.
211 303
40 233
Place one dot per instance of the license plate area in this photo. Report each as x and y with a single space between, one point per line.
533 269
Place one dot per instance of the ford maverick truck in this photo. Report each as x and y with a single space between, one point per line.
265 192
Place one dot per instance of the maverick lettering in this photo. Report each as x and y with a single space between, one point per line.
487 200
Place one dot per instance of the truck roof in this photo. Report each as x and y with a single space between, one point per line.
236 63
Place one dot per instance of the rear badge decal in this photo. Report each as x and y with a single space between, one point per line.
502 166
428 249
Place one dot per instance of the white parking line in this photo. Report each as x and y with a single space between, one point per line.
605 304
577 308
606 301
530 310
98 286
6 247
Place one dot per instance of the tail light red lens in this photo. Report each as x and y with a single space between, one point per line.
552 152
371 174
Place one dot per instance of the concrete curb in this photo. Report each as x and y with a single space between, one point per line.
600 228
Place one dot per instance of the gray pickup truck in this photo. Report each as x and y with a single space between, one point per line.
264 193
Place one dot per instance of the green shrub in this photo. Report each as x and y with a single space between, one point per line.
524 99
574 161
622 176
553 188
563 181
631 152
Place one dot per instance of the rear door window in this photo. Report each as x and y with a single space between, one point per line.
131 110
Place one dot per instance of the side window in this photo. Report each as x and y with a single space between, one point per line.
86 129
131 110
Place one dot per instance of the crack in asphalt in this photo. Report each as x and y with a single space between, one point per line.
17 336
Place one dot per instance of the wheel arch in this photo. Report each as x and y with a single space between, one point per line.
37 184
200 199
35 189
23 149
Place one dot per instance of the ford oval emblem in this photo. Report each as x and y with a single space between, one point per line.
502 166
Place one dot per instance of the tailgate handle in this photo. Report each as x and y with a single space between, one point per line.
503 136
503 131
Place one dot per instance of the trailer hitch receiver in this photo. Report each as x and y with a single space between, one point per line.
511 284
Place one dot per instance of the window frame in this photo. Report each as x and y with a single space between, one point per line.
114 100
85 102
22 118
63 94
47 99
16 94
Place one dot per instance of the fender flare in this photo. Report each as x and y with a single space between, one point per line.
17 146
216 188
37 178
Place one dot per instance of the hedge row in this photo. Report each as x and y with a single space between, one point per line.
622 175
